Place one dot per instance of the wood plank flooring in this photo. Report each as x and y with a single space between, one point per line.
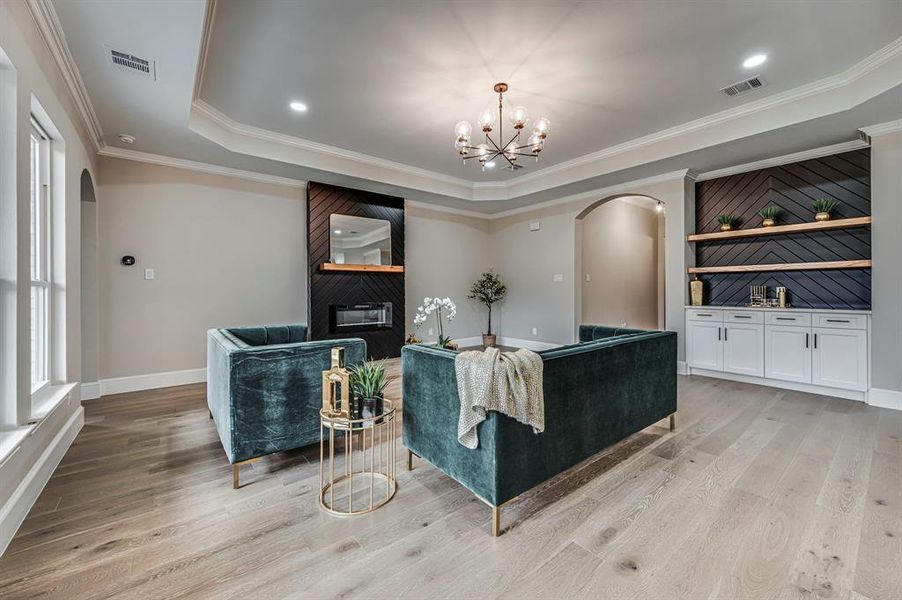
760 493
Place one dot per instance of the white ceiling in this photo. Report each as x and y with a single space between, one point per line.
390 79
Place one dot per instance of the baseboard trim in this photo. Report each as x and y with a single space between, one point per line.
137 383
885 398
783 385
682 369
16 508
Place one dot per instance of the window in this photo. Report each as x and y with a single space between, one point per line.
40 258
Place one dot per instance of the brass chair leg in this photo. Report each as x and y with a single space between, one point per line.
496 521
673 422
235 483
409 460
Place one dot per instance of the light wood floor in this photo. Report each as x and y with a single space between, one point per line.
760 493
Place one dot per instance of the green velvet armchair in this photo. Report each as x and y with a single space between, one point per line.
264 388
597 393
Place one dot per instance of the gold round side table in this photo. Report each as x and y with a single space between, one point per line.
368 475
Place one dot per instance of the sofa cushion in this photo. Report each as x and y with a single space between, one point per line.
270 334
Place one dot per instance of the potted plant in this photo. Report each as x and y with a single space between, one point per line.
726 221
768 215
488 289
442 307
823 207
368 383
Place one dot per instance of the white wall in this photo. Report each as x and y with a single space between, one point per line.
620 264
32 71
226 252
444 255
90 327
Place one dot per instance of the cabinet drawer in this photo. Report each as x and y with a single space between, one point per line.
743 316
700 314
788 318
840 321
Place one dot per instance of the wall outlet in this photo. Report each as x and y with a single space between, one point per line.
431 330
557 277
535 226
535 331
148 274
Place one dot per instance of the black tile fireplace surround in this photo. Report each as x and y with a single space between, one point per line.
368 305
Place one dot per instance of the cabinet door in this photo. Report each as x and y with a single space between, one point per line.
743 349
703 349
840 358
787 353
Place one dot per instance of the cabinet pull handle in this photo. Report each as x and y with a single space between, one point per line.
815 341
718 334
742 317
704 314
837 320
785 318
806 341
724 334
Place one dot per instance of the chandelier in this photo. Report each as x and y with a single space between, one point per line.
492 147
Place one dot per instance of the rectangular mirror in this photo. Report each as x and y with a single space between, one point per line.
359 240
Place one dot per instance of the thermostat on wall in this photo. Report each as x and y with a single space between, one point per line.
127 260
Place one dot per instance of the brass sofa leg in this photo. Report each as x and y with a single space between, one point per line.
673 422
496 521
235 482
409 460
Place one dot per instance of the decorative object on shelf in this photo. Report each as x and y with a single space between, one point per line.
368 381
488 290
509 150
726 221
782 297
442 307
696 292
412 339
337 386
768 215
369 462
757 295
823 207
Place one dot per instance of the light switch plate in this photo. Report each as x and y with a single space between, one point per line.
148 274
535 226
535 331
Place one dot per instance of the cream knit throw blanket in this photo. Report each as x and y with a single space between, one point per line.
507 382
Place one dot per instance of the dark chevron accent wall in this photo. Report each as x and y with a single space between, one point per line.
354 288
844 177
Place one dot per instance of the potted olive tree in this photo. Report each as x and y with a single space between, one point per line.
488 289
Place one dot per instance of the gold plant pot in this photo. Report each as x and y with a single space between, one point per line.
488 341
767 223
822 216
726 227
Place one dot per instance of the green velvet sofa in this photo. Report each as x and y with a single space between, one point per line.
264 387
597 392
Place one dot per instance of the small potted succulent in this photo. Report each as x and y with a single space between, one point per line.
726 221
488 290
768 215
823 207
368 383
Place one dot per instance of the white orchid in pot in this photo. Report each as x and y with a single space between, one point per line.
443 308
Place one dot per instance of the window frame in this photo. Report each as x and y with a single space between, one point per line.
41 257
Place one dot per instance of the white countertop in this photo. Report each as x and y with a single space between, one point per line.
799 310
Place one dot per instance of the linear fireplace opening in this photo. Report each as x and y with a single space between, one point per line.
350 318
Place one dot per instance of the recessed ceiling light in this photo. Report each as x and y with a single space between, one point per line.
754 61
337 232
490 165
298 106
126 138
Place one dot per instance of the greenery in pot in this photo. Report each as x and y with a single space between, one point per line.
726 221
823 207
368 381
488 290
769 215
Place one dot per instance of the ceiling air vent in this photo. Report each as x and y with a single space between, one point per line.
743 86
133 64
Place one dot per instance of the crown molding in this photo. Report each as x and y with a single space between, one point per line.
51 29
181 163
784 160
206 36
882 128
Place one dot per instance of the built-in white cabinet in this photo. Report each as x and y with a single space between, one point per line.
804 348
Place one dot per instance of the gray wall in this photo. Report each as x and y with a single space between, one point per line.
225 251
886 248
90 325
620 264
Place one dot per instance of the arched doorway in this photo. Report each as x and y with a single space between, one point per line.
90 333
621 258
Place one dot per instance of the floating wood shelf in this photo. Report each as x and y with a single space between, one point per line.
781 229
334 267
808 266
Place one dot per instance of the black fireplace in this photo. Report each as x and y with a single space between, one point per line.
353 318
